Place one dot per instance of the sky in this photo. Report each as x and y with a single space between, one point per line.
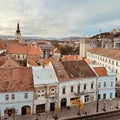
59 18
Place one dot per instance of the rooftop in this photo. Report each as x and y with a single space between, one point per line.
101 71
23 49
78 69
44 75
110 53
16 79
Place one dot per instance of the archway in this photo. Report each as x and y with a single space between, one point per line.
25 110
63 102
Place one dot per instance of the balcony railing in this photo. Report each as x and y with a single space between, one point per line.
84 92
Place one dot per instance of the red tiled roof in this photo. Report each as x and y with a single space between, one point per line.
77 69
36 61
59 70
56 50
72 57
24 49
1 47
101 71
2 60
16 79
9 62
6 43
35 50
111 53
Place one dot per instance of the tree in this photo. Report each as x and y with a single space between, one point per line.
65 49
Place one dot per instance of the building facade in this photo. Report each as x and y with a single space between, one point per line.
109 58
46 89
16 91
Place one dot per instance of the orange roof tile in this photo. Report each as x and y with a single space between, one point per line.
37 61
59 70
56 50
16 79
9 62
72 57
2 60
101 71
24 49
111 53
77 69
35 51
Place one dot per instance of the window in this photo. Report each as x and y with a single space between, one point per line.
111 83
71 88
13 96
6 97
52 92
78 88
14 56
110 95
61 76
84 86
18 56
99 85
99 96
92 85
104 96
86 98
63 91
104 84
26 95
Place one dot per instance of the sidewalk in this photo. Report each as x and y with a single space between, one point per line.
89 108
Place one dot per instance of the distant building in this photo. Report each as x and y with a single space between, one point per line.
109 58
47 48
85 45
117 43
56 53
21 52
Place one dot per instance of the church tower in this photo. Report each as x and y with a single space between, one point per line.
18 34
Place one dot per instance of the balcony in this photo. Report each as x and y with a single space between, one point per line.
84 92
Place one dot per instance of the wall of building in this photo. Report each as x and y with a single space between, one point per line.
18 56
108 89
111 64
68 94
16 103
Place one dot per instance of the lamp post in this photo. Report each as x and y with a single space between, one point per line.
117 106
97 107
97 95
0 113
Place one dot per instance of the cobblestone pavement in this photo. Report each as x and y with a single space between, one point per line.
89 108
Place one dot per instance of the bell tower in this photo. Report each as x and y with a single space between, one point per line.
18 33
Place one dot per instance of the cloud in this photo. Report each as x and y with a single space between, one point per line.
59 18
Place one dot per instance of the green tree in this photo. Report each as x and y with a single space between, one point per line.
65 49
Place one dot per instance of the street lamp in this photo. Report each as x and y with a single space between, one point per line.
0 113
117 106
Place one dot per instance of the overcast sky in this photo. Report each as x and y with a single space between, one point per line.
59 18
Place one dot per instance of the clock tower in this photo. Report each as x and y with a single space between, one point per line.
18 33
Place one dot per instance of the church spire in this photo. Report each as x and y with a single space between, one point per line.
18 28
18 33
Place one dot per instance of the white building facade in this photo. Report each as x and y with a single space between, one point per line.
85 89
19 103
109 61
46 89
